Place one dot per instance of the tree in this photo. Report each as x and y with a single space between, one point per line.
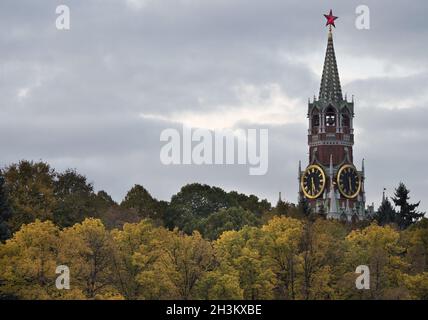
28 262
407 214
105 199
415 239
378 248
386 213
5 211
227 219
75 199
251 203
217 285
282 237
240 253
186 260
195 202
87 249
282 208
138 248
139 199
417 285
31 192
322 247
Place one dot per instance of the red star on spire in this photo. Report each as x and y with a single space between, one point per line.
330 19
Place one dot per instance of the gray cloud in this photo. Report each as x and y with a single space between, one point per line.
74 98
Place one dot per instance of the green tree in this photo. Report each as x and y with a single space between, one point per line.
5 211
75 199
227 219
104 200
251 203
140 200
195 202
31 192
407 214
386 213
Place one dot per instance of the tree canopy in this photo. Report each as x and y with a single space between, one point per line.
205 243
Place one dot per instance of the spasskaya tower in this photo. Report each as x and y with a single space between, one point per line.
331 183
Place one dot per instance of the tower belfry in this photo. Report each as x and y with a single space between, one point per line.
331 180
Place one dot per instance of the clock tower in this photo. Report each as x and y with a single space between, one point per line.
331 183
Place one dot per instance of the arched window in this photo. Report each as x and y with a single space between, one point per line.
315 120
330 117
345 120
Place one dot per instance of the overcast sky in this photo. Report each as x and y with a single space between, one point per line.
96 97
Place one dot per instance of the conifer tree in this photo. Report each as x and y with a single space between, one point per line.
386 213
407 214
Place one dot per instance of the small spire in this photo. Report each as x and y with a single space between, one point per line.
279 199
383 195
362 167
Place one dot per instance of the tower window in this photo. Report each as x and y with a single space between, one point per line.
316 120
345 120
330 118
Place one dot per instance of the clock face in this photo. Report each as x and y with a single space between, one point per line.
313 181
348 181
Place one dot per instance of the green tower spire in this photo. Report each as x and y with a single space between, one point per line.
330 89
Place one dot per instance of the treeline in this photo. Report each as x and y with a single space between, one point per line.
34 190
285 258
203 244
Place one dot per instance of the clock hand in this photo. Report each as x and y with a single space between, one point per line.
350 184
313 185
